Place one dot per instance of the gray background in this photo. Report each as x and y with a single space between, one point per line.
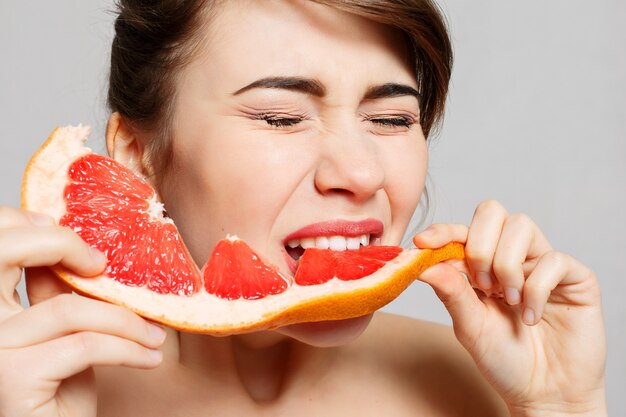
535 120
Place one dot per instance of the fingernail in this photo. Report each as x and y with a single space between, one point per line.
528 316
156 333
156 356
484 280
512 295
39 219
97 256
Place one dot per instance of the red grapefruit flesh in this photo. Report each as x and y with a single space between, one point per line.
235 271
318 266
117 213
150 271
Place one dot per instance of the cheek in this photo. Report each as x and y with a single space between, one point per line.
406 175
252 180
231 181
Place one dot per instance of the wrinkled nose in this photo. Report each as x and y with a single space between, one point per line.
349 165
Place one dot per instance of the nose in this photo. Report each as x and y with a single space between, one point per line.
349 165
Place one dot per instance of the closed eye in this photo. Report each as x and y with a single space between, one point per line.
280 120
395 121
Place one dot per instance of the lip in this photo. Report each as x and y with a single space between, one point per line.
292 264
346 228
338 228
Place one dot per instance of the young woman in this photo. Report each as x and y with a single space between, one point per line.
260 118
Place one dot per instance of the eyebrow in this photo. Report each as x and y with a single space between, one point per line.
301 85
390 90
315 88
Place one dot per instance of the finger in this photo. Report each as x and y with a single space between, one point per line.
33 246
62 358
459 298
510 255
25 247
482 240
71 313
438 235
461 266
9 298
552 270
42 284
12 217
520 245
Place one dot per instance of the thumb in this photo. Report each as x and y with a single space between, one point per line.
460 299
42 284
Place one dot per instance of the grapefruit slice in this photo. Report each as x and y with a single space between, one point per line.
234 271
318 266
151 272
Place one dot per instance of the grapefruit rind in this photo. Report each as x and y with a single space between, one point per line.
45 175
334 300
42 191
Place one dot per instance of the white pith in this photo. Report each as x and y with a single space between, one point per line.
156 210
202 311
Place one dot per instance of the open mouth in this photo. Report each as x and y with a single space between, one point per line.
294 249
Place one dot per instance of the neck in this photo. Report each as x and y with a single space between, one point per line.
262 370
257 363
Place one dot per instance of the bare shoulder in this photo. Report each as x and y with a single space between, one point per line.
427 359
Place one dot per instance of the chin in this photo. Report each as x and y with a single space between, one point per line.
327 333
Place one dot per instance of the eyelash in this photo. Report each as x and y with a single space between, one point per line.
399 121
278 120
275 120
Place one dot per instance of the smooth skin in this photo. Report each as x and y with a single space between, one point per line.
71 356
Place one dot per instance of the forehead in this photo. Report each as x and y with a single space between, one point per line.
248 39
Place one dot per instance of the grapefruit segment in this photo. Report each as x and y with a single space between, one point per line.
382 253
117 213
352 265
151 272
315 267
318 266
234 271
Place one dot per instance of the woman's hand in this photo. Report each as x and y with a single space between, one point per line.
47 351
534 325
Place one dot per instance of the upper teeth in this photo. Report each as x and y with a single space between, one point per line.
337 243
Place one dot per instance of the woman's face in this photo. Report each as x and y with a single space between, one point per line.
295 121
